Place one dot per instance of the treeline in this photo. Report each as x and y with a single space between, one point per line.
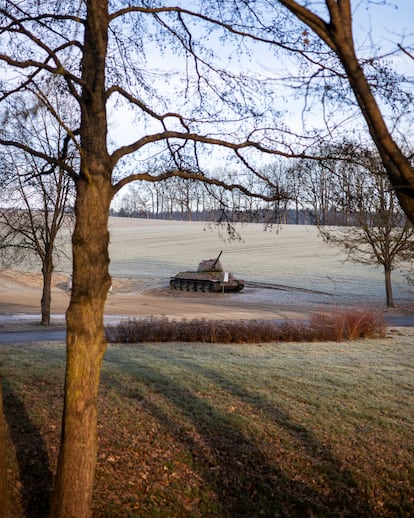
330 189
289 216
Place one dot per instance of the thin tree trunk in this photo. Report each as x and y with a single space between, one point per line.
46 301
388 288
4 502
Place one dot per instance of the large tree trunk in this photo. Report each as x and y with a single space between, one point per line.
46 301
86 346
4 502
86 342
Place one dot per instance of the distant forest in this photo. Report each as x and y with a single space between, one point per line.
309 192
287 216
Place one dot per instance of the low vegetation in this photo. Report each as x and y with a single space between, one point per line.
217 430
338 325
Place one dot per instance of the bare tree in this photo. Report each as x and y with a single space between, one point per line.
380 234
36 199
279 172
317 189
332 22
182 196
137 202
97 51
32 225
324 182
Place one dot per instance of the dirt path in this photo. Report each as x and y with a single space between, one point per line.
20 295
20 301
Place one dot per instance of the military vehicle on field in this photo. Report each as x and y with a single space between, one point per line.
209 277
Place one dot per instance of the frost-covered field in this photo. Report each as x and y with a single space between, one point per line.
291 255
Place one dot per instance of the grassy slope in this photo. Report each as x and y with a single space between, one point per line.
323 429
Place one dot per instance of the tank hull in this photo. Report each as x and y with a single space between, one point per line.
205 282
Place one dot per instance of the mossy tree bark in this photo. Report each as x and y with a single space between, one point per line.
86 346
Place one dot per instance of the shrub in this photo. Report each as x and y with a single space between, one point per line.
338 325
348 324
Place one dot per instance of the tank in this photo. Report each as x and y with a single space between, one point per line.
209 277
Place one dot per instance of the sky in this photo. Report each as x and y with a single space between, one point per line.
381 23
385 22
390 23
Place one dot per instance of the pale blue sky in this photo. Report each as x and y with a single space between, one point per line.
375 22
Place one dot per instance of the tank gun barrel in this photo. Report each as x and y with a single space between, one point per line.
216 261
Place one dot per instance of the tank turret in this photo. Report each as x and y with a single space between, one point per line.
211 265
209 277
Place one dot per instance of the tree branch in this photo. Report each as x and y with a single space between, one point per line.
195 137
39 154
190 175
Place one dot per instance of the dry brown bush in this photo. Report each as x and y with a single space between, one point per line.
348 324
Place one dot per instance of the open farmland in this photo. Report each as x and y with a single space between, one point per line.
310 275
291 255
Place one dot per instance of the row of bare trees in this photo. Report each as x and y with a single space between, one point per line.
321 191
174 70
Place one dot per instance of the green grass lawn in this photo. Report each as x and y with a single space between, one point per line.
298 429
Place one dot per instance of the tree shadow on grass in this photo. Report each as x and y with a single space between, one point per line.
342 496
31 453
246 482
